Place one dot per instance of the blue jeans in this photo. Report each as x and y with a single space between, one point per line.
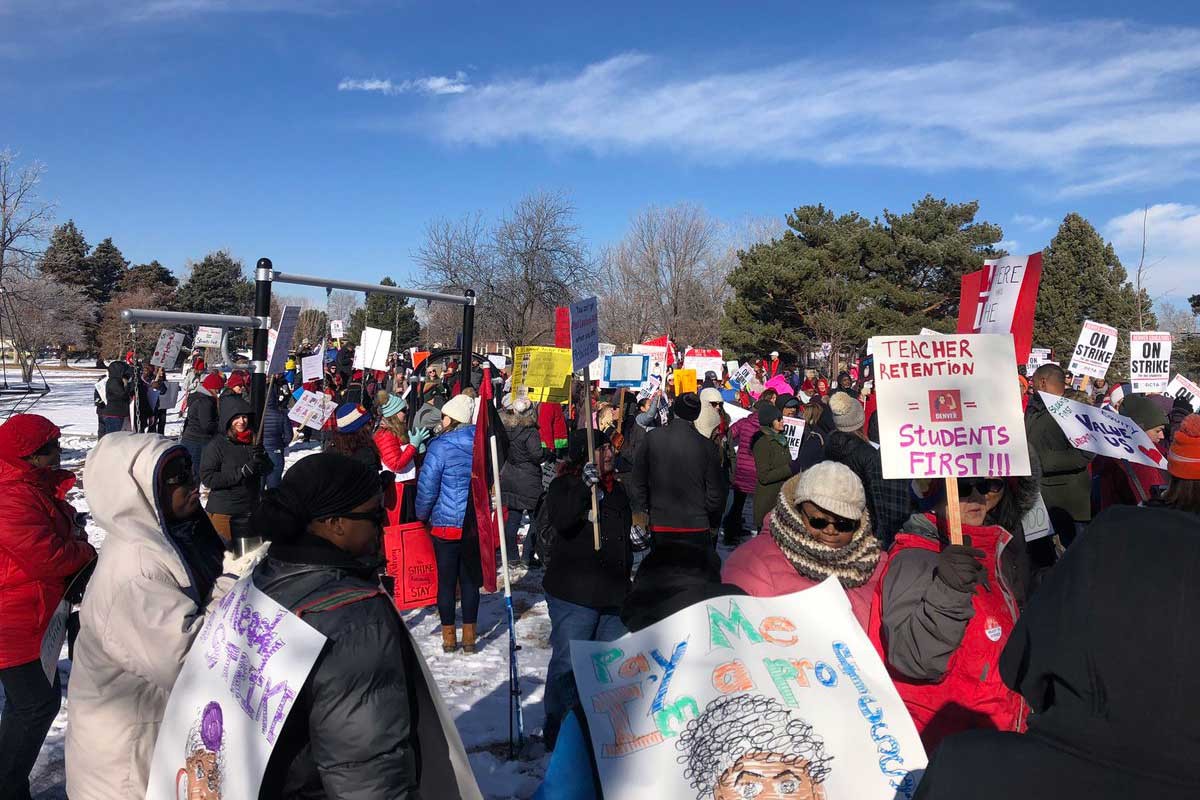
30 705
571 621
452 573
196 452
111 424
275 476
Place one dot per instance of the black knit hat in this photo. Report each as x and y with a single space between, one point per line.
577 443
687 406
767 414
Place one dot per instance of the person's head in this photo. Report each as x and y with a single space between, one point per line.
1049 378
328 495
687 406
643 405
177 490
577 453
976 497
709 421
788 405
843 380
458 410
769 417
1147 415
213 383
768 395
746 745
774 355
712 397
849 416
31 438
1183 465
830 502
822 387
811 411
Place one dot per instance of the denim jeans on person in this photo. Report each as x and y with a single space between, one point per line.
275 476
30 705
195 450
111 424
452 573
512 526
571 621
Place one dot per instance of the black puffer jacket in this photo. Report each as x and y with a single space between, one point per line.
577 573
222 462
677 479
200 425
352 731
890 502
118 393
521 476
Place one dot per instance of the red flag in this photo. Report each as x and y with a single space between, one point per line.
481 484
562 326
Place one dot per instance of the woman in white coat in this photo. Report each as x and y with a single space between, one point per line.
160 565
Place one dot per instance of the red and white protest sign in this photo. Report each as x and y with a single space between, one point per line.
1149 361
1182 387
1000 298
949 406
1095 350
704 359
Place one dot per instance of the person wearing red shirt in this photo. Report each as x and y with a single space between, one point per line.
398 454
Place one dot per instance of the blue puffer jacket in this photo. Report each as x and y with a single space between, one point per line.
444 482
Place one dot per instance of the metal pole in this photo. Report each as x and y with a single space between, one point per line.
468 338
263 275
359 286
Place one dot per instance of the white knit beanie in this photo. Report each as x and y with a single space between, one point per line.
460 408
834 487
848 414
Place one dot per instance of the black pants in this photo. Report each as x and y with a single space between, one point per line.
452 574
733 524
30 705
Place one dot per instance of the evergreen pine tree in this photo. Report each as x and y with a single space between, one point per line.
153 276
106 267
65 259
390 313
1082 279
215 285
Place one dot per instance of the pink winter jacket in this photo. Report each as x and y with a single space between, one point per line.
745 474
760 569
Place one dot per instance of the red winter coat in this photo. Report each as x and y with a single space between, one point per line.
961 688
38 553
552 426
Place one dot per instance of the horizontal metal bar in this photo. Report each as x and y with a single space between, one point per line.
191 318
373 288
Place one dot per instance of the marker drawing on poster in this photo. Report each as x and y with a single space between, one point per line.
1101 431
166 351
1149 361
748 697
207 337
942 411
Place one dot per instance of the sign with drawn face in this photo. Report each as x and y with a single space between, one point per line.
943 411
744 697
238 684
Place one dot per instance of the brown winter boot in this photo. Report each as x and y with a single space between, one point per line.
449 639
469 638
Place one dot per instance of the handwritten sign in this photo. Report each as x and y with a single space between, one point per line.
685 381
1104 432
278 353
625 371
166 351
649 388
311 368
1000 298
312 410
658 357
704 359
742 376
942 411
742 696
238 684
1149 361
585 333
207 337
793 431
545 372
1094 351
1036 522
596 368
1182 387
337 328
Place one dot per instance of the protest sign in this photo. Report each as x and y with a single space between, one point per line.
1101 431
704 360
1182 387
498 361
1037 357
709 701
1149 361
930 332
793 431
418 357
731 367
649 387
1000 298
625 371
736 412
741 376
685 381
585 333
596 368
947 408
658 357
277 355
207 337
562 327
1094 351
166 351
312 410
311 368
545 372
337 328
1036 522
410 560
373 349
238 684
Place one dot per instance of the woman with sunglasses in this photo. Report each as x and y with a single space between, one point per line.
819 528
162 563
365 724
943 612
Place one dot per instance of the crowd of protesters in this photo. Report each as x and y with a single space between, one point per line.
1000 645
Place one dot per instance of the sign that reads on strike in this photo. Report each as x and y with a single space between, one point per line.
949 406
1149 361
1181 387
1094 351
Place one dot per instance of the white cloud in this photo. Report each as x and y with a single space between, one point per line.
1172 245
984 6
1032 223
1086 107
434 84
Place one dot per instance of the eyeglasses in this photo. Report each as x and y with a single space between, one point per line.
378 516
985 486
839 525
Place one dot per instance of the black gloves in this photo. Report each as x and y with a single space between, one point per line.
259 464
960 567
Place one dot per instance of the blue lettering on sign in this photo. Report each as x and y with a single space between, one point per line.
891 763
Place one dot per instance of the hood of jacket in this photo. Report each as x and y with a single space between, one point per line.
1125 589
119 480
843 447
117 369
55 482
513 420
231 406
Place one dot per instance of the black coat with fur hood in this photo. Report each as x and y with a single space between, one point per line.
521 476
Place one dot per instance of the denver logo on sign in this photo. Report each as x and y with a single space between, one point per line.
945 405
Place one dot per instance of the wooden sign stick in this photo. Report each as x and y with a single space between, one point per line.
591 451
620 409
953 513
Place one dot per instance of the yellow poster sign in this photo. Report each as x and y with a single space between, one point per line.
685 381
545 372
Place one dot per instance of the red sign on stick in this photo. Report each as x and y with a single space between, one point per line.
1000 298
410 560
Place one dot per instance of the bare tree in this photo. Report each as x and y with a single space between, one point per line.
51 314
342 305
1175 318
312 326
114 335
24 220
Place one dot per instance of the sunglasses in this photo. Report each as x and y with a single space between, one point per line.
985 486
839 525
378 516
180 475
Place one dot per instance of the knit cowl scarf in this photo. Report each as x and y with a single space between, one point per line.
852 565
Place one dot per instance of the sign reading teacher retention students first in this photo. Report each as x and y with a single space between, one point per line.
949 406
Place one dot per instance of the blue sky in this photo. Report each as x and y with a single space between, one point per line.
327 134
